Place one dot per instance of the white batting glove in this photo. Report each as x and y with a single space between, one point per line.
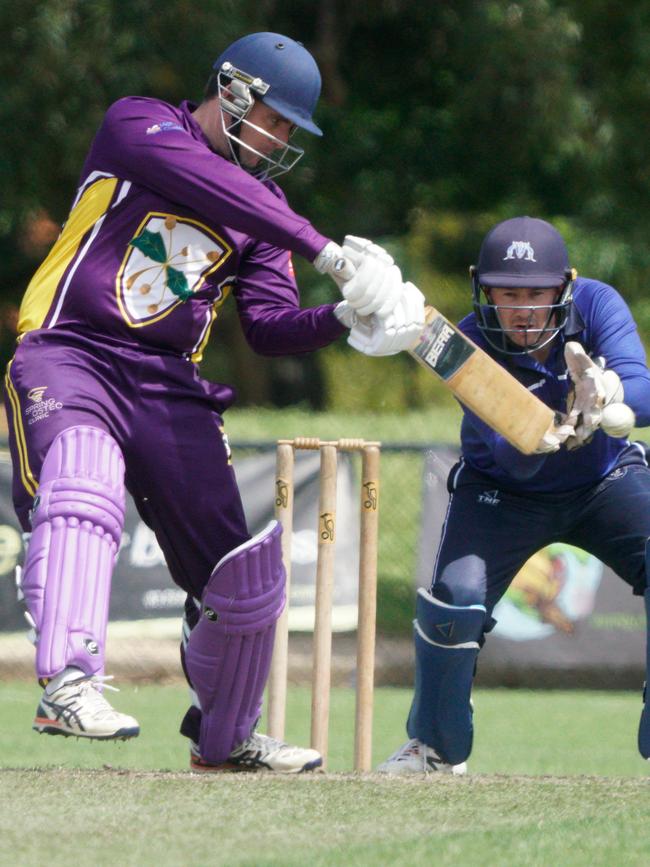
332 261
364 272
356 248
378 336
401 329
377 283
559 433
346 315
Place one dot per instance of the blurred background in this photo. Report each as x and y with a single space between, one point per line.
440 119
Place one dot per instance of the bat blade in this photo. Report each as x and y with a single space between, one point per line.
481 384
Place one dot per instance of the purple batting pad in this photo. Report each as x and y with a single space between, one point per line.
77 521
228 654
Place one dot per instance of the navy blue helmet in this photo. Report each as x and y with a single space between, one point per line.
282 74
527 253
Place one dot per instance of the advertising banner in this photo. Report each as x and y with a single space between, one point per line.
142 586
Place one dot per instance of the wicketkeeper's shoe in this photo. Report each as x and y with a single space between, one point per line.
417 758
77 707
260 753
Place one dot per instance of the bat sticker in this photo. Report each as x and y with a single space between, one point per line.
443 349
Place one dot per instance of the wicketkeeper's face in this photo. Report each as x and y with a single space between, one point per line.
524 314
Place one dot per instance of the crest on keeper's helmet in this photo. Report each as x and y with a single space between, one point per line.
520 250
166 263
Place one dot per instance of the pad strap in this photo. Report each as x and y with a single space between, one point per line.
77 522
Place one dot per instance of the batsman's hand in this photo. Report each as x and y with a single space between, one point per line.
560 432
377 336
331 261
366 274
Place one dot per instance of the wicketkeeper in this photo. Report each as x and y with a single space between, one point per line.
573 342
175 212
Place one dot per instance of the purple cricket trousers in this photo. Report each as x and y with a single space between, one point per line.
166 420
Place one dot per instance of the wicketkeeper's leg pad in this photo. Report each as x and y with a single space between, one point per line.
446 646
228 654
644 725
77 522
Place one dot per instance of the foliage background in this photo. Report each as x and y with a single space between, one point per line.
440 119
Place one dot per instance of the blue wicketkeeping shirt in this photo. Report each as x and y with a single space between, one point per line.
601 321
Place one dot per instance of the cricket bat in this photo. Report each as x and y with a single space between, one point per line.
481 384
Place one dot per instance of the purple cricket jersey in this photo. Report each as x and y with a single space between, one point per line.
162 229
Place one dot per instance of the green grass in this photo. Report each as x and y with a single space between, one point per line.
517 731
439 424
148 819
554 779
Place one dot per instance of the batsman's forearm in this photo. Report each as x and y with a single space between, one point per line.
291 331
185 170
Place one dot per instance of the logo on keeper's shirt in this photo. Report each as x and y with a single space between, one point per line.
490 498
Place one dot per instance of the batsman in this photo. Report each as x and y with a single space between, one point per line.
175 212
573 343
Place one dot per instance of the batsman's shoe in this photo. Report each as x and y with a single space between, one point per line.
77 707
417 758
260 753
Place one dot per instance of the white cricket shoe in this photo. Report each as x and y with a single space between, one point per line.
260 753
77 707
417 758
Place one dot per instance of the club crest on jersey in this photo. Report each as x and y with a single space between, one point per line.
520 250
166 263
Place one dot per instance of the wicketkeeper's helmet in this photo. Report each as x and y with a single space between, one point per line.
526 253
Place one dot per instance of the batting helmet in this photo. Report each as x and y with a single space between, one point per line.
526 253
279 71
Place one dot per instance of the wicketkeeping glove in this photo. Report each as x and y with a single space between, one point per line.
594 388
561 432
